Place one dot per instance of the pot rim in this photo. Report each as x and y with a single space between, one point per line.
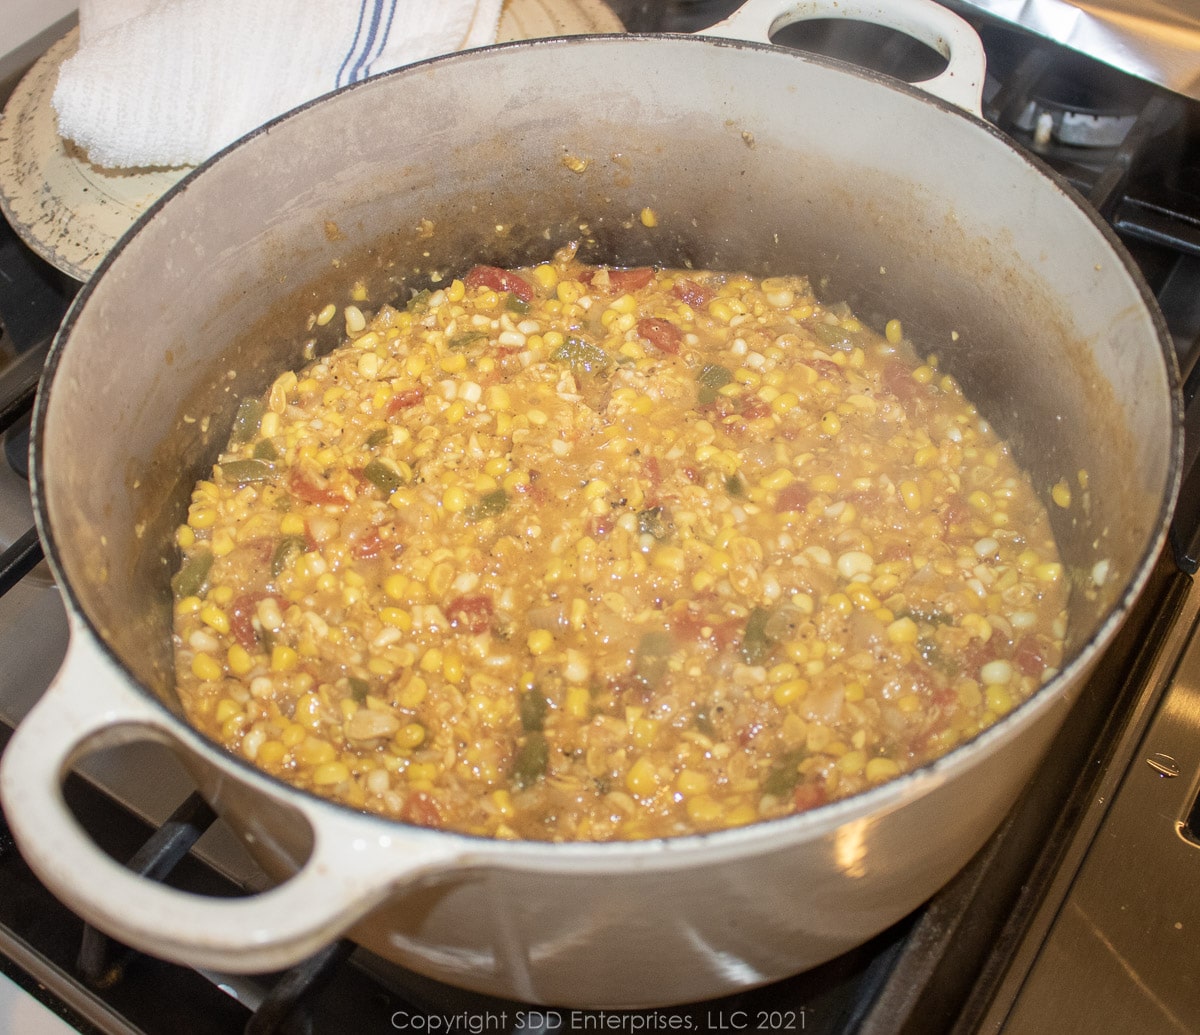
681 848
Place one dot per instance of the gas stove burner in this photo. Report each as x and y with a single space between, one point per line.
1048 122
1082 103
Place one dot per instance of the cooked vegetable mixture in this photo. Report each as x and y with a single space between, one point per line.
577 553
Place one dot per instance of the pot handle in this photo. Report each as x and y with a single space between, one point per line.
355 863
960 83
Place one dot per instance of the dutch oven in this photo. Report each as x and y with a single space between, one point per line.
900 200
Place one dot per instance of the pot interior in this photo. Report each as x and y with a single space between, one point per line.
750 157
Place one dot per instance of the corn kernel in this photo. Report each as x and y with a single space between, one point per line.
690 782
702 810
409 736
422 773
293 735
452 667
670 558
642 779
880 769
839 604
720 309
780 478
214 618
789 692
852 763
998 699
207 668
785 403
646 732
578 702
239 660
1048 572
546 276
291 524
413 693
270 753
202 517
330 773
283 658
226 709
539 641
398 617
454 500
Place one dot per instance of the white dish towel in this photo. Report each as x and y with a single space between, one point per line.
171 82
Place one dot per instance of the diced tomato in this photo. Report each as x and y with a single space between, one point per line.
720 406
500 280
422 810
1029 656
302 488
954 512
241 617
898 379
898 552
471 613
691 626
598 527
260 548
809 796
367 546
662 334
693 294
794 497
404 399
755 410
533 489
748 733
652 473
866 500
825 367
621 280
977 654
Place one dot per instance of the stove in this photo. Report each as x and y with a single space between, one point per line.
1073 917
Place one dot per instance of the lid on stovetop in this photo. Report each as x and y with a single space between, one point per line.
1155 40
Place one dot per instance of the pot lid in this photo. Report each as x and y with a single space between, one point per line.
1155 40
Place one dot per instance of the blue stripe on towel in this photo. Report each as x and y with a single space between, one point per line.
340 80
383 38
364 49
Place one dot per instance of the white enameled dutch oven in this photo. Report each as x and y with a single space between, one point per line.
900 200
